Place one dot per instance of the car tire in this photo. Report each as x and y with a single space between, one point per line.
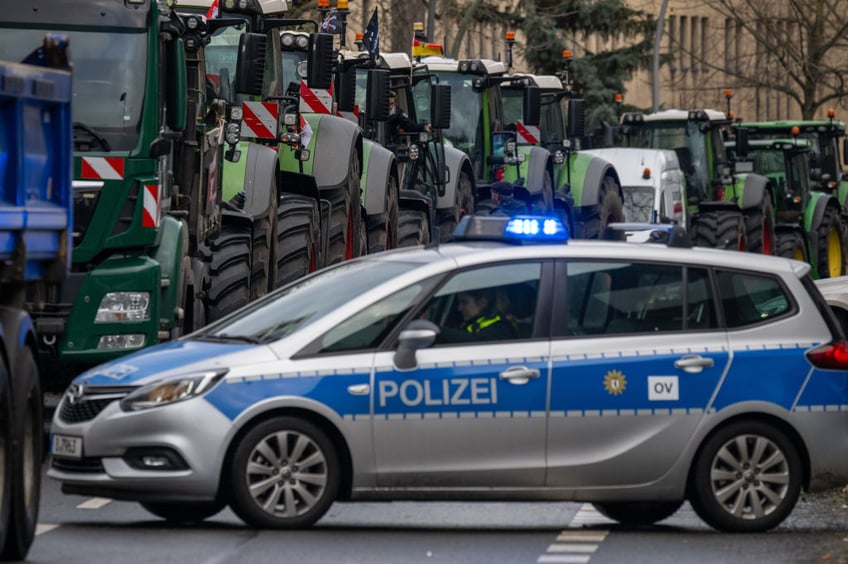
638 513
287 501
730 493
185 512
27 455
830 256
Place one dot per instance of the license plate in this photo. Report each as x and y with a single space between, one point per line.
68 447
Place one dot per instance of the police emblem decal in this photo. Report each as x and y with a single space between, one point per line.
615 382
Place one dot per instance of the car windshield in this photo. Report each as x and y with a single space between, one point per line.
108 83
282 313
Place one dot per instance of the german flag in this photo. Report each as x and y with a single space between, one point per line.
423 49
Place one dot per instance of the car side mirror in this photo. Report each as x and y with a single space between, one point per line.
419 334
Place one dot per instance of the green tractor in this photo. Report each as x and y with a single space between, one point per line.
437 187
726 209
152 255
587 188
808 225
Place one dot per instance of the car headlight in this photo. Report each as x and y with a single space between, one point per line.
123 306
171 390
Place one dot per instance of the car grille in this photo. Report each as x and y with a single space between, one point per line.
88 465
87 405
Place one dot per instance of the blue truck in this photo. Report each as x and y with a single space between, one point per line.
35 215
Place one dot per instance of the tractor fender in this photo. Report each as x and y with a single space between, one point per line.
819 201
173 246
256 177
754 188
563 206
538 162
414 200
378 163
596 170
455 161
336 142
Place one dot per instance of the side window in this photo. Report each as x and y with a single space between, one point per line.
496 303
700 306
749 298
615 298
368 328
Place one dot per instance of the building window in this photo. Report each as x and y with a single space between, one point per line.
681 48
705 25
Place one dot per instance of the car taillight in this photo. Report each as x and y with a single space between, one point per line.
832 356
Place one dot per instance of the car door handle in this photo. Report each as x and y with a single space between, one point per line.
519 374
359 389
693 364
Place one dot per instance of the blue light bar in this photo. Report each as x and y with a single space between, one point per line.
520 229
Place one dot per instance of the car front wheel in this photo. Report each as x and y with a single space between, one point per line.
285 474
638 513
746 478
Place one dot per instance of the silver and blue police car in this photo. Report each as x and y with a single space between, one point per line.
631 376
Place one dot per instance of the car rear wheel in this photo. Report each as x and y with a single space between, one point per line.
285 474
638 513
746 478
183 512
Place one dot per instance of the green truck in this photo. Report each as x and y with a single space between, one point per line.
153 254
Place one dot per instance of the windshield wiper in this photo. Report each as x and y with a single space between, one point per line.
94 135
225 337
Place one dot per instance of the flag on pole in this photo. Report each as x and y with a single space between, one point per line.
332 23
424 49
371 36
213 10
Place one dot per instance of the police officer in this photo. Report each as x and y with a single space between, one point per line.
502 195
481 321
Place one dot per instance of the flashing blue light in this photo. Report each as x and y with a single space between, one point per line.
536 229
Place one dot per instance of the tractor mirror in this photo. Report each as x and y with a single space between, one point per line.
377 92
440 106
532 105
576 126
742 144
320 61
250 64
346 87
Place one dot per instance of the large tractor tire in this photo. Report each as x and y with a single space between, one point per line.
345 220
383 228
830 258
791 244
298 236
463 204
229 273
610 209
27 453
263 267
413 228
759 227
720 229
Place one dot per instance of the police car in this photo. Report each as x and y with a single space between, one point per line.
631 376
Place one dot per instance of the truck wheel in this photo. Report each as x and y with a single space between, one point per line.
183 512
722 229
5 454
262 265
284 473
297 238
27 431
345 220
791 245
383 228
638 513
759 228
830 258
229 273
745 478
413 228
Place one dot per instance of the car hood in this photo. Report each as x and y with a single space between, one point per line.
176 357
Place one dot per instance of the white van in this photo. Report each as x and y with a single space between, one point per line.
653 185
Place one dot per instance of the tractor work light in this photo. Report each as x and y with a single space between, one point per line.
524 229
123 306
232 133
632 117
287 39
698 115
236 113
472 67
414 152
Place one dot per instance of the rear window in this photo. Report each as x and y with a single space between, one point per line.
749 299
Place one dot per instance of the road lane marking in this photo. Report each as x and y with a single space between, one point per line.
573 548
94 503
581 536
576 546
42 528
563 559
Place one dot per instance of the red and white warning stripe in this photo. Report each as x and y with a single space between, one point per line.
528 134
350 116
305 132
150 214
260 120
102 168
315 100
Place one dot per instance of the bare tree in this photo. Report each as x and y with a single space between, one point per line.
794 47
